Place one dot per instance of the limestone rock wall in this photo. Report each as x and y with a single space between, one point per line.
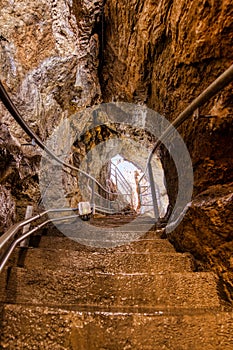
50 58
49 65
165 53
18 178
206 232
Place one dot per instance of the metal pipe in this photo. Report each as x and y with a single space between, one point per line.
153 192
123 178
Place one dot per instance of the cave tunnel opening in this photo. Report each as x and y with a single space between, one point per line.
125 175
116 155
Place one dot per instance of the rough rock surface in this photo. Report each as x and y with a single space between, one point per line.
49 65
18 177
7 212
165 53
206 231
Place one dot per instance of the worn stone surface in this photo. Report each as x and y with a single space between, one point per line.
142 245
72 330
108 262
65 296
57 287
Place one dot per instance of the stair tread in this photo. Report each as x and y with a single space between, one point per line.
139 295
138 245
184 289
70 329
105 261
104 237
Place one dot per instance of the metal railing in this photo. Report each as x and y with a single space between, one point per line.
122 185
9 240
222 81
19 119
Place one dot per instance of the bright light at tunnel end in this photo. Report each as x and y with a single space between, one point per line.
69 130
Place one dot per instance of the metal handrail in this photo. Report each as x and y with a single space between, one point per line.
122 178
11 232
222 81
122 183
8 103
105 210
12 246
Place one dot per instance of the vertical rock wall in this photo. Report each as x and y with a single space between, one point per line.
165 53
50 58
49 64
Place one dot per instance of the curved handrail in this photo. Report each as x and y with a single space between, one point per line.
8 103
223 80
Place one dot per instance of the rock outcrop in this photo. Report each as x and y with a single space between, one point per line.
18 178
206 232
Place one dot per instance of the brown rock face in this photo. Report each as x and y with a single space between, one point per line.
7 212
160 51
165 53
206 231
18 175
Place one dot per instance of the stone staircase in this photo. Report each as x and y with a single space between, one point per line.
61 295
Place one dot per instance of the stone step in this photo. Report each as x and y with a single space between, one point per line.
100 237
121 220
3 282
106 238
143 227
110 262
33 327
59 287
121 224
141 245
